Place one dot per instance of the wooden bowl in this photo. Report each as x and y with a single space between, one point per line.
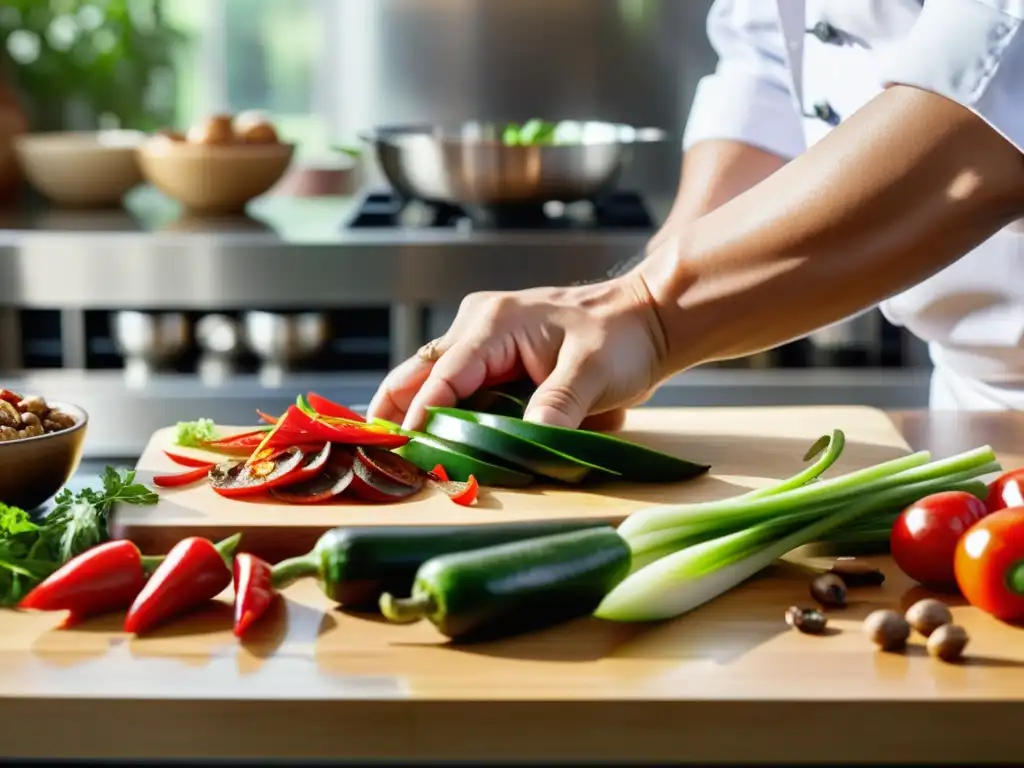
35 468
213 178
81 170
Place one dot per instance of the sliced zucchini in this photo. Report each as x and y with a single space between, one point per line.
427 451
462 427
508 399
492 401
632 461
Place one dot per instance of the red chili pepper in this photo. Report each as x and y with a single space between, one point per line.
188 461
326 407
440 473
105 578
182 478
254 591
351 434
10 397
194 571
467 495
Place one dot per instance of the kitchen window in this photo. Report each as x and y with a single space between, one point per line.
271 55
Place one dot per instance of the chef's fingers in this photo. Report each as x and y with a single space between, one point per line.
459 373
565 398
399 387
607 421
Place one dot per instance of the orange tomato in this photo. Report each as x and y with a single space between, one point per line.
989 564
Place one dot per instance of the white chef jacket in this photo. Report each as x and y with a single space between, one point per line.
790 70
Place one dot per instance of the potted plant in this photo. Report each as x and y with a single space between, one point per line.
86 64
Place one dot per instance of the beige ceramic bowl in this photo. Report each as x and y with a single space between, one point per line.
207 178
34 469
81 170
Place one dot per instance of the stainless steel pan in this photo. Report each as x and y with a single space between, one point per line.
473 164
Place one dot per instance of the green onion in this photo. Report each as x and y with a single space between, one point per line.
682 581
682 567
834 446
908 469
646 548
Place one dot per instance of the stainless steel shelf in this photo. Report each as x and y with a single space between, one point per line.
124 413
288 253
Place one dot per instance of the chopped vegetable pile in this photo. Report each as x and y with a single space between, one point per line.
319 450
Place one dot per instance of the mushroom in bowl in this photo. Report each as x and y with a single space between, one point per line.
40 447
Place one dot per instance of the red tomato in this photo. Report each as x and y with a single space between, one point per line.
989 564
1007 490
924 537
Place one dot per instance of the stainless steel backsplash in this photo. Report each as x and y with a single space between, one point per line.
444 61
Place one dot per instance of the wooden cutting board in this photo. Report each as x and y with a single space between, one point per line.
746 447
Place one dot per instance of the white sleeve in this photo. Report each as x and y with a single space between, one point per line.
748 97
971 52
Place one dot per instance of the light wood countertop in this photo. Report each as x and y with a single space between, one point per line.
729 682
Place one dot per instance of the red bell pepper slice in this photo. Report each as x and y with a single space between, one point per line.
194 571
463 494
349 434
440 473
10 397
188 461
105 578
326 407
183 478
467 496
254 591
252 438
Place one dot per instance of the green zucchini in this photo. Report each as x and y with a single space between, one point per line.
493 401
356 565
426 452
463 427
460 461
634 462
515 587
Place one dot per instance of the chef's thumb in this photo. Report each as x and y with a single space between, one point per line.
567 395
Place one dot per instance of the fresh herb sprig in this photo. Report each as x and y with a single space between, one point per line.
31 551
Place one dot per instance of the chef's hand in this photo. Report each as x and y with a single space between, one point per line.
592 350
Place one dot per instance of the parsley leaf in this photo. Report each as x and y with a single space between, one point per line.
31 551
82 518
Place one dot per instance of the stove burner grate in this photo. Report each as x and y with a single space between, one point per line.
622 209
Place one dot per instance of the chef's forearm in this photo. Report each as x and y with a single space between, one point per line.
902 189
713 173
